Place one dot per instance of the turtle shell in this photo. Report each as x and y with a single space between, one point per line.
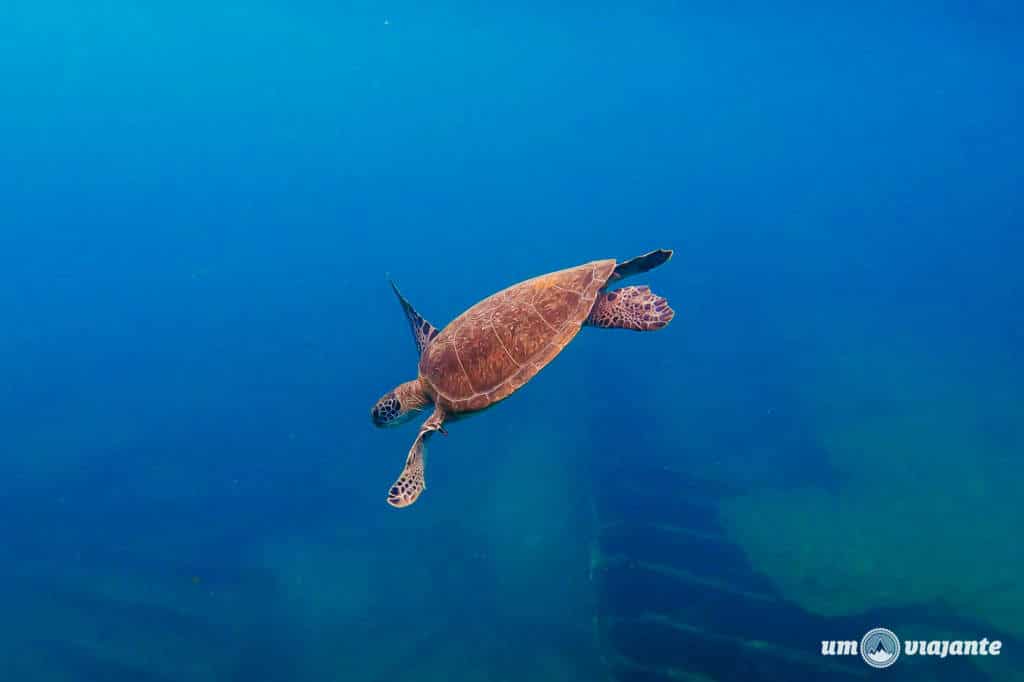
499 344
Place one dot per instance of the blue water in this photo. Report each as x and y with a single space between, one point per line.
201 206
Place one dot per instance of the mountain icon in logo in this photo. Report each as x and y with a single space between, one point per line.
879 654
880 648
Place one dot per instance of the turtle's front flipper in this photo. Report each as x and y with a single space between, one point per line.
422 331
636 308
411 482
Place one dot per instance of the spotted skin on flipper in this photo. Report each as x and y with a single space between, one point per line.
635 308
411 482
422 331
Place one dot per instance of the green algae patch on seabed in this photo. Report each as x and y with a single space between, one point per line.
926 506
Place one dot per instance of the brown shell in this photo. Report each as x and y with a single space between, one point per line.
492 349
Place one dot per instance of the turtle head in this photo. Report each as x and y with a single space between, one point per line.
398 406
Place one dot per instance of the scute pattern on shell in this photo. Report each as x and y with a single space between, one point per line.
499 344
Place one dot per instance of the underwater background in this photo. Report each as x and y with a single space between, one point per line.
201 203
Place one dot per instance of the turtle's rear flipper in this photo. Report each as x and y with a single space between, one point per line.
411 482
634 266
635 308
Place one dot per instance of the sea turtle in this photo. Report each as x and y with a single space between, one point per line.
488 352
